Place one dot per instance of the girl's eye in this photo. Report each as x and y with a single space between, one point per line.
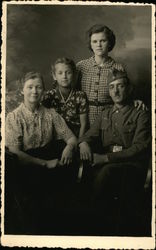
111 87
103 41
121 86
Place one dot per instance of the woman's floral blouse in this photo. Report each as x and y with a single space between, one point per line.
32 130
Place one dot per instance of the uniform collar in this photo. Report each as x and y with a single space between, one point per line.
123 110
107 64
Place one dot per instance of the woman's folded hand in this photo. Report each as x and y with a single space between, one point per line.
85 152
140 105
67 154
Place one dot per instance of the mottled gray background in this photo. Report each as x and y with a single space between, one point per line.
38 34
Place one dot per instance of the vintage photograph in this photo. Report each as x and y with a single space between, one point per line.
77 113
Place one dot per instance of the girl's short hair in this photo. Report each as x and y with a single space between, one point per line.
97 28
32 75
66 61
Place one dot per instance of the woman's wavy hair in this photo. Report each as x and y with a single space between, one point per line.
97 28
32 75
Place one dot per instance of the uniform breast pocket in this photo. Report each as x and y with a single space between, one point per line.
105 124
129 131
129 128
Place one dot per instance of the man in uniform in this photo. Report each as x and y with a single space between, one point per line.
117 147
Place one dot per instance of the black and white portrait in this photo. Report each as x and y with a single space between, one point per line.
77 124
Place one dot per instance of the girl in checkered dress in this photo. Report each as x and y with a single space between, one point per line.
93 72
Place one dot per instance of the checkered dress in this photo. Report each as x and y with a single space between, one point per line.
93 81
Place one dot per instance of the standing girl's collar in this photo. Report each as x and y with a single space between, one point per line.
106 64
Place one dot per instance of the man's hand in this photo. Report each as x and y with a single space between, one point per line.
67 154
85 152
140 105
99 160
52 163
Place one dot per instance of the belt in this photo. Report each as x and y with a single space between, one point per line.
113 148
97 103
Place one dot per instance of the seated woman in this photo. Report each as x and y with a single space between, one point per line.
30 133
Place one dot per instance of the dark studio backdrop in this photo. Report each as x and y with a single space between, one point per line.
38 34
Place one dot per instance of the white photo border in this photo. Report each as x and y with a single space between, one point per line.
74 241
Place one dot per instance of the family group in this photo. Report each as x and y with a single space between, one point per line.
88 126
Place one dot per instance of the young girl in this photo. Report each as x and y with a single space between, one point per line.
71 104
93 72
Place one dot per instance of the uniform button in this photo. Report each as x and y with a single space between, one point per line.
117 111
116 124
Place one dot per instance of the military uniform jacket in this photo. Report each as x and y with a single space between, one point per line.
127 128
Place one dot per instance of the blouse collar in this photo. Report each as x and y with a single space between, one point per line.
29 112
106 64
